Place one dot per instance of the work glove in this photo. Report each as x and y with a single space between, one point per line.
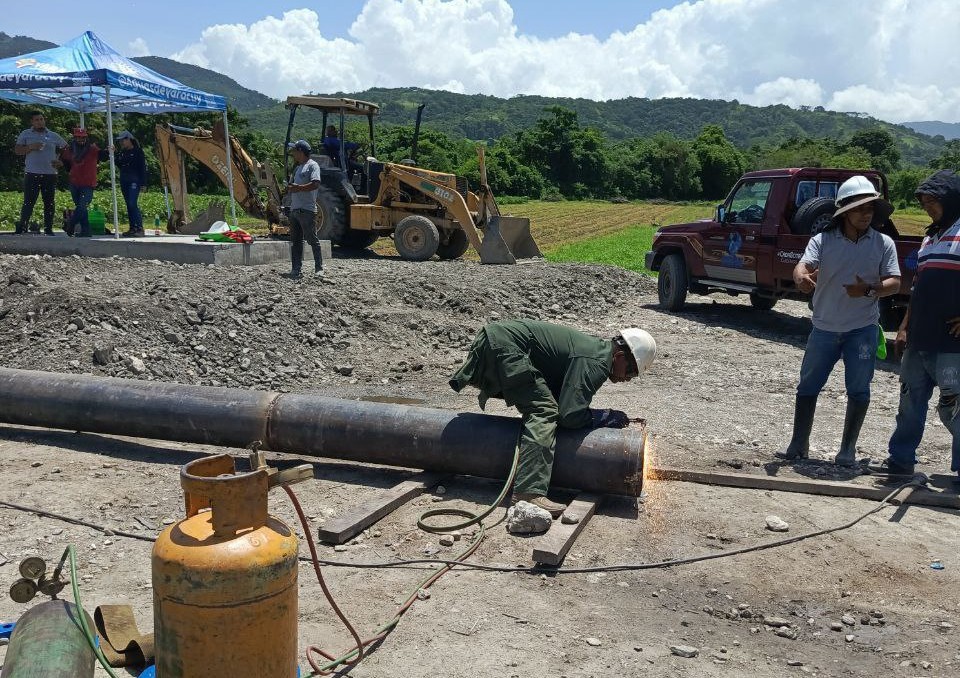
609 419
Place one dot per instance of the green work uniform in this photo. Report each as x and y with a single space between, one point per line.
549 373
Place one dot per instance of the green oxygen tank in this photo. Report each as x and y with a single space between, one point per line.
48 642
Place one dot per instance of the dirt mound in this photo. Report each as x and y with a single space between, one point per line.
370 321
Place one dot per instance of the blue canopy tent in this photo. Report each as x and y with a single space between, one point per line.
86 75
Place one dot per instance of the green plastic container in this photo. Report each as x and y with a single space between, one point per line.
97 221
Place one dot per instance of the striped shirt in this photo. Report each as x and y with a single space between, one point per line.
936 293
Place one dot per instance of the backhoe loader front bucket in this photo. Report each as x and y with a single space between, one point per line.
507 239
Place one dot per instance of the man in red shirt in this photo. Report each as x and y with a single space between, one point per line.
81 157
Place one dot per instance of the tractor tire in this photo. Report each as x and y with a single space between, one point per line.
357 240
416 238
762 303
813 216
455 246
672 283
331 218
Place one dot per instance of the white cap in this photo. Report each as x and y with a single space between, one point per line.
642 346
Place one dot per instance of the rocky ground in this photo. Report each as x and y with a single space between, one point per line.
719 396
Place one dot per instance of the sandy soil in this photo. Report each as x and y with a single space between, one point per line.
720 394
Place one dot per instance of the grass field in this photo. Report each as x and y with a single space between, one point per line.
587 231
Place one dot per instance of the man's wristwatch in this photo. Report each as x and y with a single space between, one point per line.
871 292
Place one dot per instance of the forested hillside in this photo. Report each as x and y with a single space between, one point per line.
483 117
15 45
541 147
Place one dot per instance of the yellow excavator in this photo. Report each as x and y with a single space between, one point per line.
209 148
426 212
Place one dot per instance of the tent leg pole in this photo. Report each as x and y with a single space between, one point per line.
233 202
113 167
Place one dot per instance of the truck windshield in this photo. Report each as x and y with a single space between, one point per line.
749 202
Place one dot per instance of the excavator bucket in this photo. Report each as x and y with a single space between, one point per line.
507 239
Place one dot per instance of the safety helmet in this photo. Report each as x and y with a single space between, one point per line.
642 346
853 192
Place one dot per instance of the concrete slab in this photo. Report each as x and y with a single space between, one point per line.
182 249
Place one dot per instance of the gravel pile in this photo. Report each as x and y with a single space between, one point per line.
370 321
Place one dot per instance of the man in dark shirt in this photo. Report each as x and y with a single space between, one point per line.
550 374
930 333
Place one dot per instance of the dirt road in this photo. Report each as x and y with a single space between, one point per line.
720 394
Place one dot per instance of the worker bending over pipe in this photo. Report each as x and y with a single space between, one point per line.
550 374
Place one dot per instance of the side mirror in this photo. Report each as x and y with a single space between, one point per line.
721 213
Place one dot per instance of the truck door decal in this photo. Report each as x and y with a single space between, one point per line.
731 258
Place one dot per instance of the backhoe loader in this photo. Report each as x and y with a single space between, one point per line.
426 212
208 147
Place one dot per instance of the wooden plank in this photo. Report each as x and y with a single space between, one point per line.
343 528
819 487
552 547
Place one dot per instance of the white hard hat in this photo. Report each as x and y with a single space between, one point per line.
642 346
856 191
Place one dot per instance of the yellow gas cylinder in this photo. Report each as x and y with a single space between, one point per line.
225 579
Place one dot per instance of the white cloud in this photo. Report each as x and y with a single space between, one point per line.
895 59
137 48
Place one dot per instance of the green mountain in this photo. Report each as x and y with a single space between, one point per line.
948 130
484 117
15 45
238 96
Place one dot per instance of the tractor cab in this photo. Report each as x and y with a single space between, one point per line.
342 170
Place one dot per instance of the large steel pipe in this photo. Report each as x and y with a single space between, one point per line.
603 460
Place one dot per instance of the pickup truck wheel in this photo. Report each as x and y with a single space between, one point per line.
813 216
762 303
672 282
416 238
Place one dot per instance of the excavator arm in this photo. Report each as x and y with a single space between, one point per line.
209 148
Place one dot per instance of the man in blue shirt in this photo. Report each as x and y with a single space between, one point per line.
333 146
303 189
41 150
930 333
848 267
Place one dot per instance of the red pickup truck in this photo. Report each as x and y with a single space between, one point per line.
757 236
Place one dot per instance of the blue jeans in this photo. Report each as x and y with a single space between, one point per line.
858 348
82 196
131 196
920 371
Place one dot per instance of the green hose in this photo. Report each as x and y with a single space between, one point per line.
91 639
472 518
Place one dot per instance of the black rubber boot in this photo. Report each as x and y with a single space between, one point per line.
852 422
803 411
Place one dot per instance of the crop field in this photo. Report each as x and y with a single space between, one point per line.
585 231
151 204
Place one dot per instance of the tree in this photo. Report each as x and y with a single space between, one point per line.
567 155
674 167
949 157
881 146
505 174
721 164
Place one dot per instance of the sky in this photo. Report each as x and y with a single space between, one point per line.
893 59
